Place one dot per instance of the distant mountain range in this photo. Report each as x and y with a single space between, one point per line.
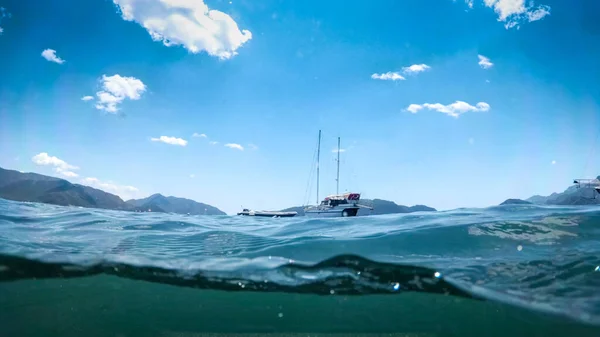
516 202
574 195
34 187
160 203
379 207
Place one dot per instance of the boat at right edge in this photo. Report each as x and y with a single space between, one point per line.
336 205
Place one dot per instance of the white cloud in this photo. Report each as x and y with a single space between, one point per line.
69 174
192 176
455 109
252 147
538 14
123 191
115 89
43 159
87 98
393 76
3 14
200 135
554 162
235 146
415 69
484 62
189 23
50 55
414 108
213 142
170 140
471 140
60 166
514 12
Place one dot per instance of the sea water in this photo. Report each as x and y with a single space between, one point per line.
519 270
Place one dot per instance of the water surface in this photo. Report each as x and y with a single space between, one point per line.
502 271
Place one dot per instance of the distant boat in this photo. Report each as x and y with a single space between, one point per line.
269 214
337 205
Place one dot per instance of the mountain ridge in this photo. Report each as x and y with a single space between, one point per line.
583 194
175 205
34 187
515 202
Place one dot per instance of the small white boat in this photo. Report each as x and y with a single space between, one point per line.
269 214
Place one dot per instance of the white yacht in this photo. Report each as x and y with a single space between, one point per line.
337 205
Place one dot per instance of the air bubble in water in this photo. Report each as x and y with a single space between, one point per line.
280 314
519 248
396 286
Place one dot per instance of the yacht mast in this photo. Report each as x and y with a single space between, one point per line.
337 179
318 156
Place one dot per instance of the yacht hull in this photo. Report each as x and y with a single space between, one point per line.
331 213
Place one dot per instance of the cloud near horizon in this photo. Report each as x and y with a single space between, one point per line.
124 191
188 23
43 159
60 166
170 140
455 109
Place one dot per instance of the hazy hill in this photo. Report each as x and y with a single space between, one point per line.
175 205
34 187
18 186
381 206
573 195
516 202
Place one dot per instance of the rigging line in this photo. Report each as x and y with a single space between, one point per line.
591 154
307 192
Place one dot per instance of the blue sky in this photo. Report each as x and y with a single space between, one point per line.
266 76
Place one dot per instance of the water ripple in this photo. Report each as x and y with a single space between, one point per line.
544 258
